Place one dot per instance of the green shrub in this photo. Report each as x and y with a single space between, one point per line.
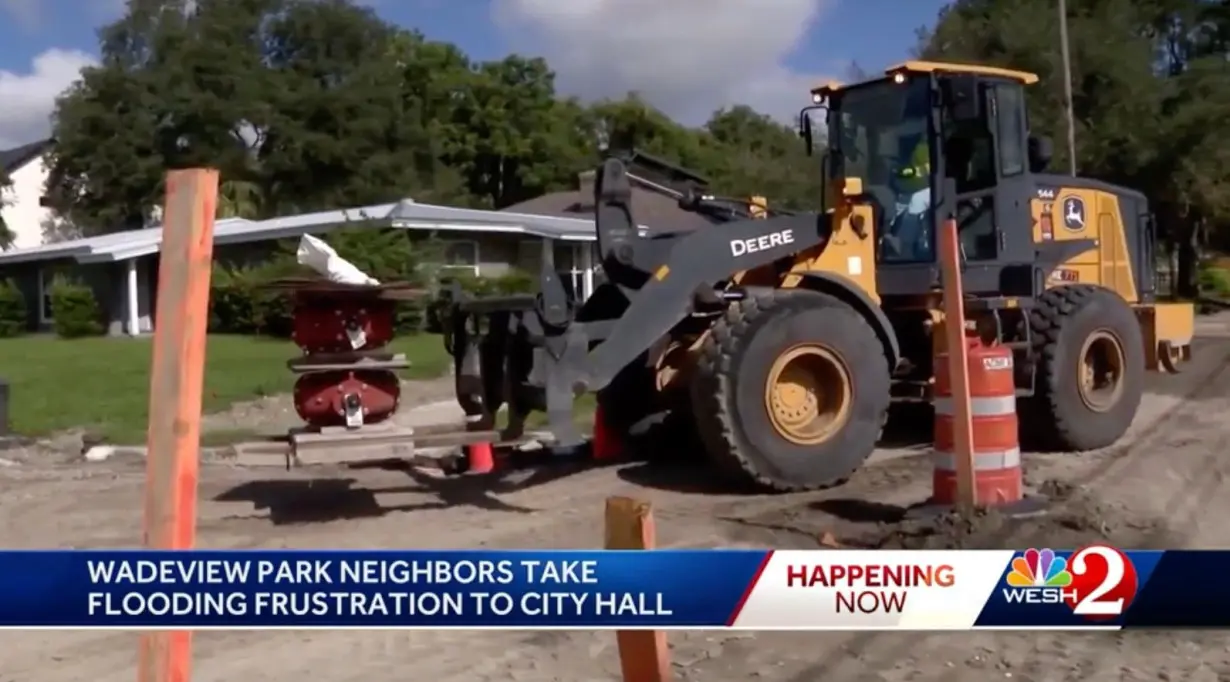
241 303
1214 280
13 312
507 284
75 310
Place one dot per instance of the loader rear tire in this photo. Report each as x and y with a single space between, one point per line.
744 422
1090 365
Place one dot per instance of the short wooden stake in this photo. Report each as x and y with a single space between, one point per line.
643 654
958 363
177 376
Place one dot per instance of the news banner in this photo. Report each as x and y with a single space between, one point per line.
1093 587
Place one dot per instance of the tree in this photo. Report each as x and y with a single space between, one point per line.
518 139
755 155
239 199
1150 84
175 86
316 104
335 134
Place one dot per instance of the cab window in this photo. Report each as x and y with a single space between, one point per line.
969 150
1010 128
881 130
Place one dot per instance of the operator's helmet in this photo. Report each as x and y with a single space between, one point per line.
915 172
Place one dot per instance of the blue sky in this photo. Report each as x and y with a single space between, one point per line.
874 33
688 57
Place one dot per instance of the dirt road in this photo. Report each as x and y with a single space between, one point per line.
1164 486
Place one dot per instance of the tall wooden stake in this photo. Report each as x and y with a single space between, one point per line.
643 654
177 376
958 362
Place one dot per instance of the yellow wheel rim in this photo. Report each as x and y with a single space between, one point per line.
808 394
1101 371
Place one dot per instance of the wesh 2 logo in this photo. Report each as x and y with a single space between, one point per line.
1097 582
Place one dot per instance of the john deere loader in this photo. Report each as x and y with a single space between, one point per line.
779 340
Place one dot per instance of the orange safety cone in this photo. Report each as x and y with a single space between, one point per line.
480 458
606 443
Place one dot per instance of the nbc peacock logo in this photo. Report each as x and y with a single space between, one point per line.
1039 568
1039 577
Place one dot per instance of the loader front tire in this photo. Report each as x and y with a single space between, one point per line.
791 391
1090 365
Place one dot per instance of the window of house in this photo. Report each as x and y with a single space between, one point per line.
460 254
1010 129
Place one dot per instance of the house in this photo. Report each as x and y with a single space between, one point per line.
122 267
556 228
21 203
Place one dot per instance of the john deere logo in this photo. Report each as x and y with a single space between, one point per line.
1074 213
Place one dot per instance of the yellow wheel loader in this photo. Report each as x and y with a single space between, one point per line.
779 340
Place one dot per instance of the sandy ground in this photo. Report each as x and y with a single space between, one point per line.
1164 485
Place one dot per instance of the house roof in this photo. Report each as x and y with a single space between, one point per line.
653 205
405 214
12 159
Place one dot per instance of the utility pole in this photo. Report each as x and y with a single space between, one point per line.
1067 84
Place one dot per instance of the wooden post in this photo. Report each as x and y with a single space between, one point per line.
177 375
643 654
958 362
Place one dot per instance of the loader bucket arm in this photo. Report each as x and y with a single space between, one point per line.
697 260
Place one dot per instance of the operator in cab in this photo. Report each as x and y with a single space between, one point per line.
912 186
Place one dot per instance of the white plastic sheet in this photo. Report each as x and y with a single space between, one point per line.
321 257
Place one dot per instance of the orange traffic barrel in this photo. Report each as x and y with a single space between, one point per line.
997 450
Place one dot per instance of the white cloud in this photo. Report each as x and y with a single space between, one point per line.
28 98
687 58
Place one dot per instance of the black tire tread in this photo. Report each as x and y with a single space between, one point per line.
1053 427
714 422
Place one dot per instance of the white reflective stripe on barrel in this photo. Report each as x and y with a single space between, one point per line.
980 407
983 461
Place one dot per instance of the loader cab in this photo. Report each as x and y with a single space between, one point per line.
930 141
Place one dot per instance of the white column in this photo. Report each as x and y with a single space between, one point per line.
587 269
130 288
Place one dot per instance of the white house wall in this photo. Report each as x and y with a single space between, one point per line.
21 210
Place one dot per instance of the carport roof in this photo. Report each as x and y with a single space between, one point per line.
405 214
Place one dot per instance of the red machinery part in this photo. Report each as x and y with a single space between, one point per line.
321 398
338 326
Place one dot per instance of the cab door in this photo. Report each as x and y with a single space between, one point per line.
993 193
971 163
1014 184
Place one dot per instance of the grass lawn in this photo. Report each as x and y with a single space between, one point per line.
102 384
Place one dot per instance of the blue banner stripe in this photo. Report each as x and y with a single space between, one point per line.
373 588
